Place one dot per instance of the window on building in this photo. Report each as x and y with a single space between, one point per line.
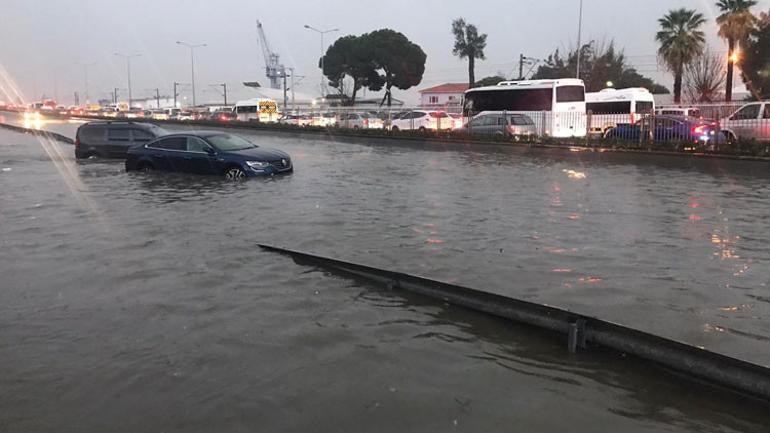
433 100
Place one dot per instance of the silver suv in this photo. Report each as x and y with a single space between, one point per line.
752 121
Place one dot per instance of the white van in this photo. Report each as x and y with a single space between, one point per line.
257 109
610 107
752 121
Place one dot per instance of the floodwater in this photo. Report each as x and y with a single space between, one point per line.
135 302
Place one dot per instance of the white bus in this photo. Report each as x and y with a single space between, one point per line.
557 107
257 109
609 107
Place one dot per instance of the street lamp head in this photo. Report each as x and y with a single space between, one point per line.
307 26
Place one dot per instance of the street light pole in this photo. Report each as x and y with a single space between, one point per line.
580 34
323 54
85 79
128 73
192 64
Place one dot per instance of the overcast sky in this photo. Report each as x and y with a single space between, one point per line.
44 40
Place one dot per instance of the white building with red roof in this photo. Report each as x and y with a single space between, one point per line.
443 96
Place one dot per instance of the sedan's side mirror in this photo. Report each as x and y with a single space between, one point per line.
210 151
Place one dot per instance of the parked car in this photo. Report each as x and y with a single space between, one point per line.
360 121
509 125
159 114
669 128
214 153
222 116
422 120
112 139
185 115
458 120
295 119
325 120
751 121
109 112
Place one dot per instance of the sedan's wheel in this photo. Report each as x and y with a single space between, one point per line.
145 168
235 173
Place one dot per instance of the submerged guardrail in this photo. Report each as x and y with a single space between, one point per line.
40 132
580 330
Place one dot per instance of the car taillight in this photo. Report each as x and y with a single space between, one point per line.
366 122
77 142
699 129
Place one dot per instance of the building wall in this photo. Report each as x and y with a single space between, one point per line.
429 99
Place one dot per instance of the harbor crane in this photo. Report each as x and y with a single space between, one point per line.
274 70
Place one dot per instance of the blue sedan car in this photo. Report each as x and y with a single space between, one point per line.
216 153
669 128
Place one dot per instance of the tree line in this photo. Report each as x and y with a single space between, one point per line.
384 59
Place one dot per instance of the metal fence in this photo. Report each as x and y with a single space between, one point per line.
705 127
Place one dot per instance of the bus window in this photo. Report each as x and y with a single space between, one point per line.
644 107
509 100
619 107
570 94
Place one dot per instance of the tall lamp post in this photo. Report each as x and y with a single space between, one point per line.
323 54
128 72
192 64
580 34
85 78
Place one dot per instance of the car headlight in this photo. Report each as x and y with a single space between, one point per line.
257 164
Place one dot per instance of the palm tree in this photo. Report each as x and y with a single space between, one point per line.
735 24
468 44
681 41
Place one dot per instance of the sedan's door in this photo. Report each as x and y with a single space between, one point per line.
198 157
167 154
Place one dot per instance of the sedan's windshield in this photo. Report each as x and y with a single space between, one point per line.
227 142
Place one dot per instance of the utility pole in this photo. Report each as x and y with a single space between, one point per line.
285 99
115 96
157 96
580 34
292 88
128 73
192 64
175 93
224 87
521 66
85 79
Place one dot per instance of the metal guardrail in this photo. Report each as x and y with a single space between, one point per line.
581 330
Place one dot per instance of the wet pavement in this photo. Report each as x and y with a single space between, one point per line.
136 302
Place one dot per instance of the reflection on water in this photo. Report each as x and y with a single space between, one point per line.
167 309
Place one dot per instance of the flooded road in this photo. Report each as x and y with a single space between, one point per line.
138 302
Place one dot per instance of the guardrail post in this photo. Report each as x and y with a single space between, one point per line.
572 337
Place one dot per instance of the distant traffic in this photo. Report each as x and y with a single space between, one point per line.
516 110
